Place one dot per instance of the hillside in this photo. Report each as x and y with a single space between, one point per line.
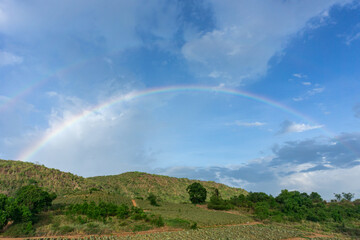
117 188
171 189
14 174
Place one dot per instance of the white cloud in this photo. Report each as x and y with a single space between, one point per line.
288 127
352 38
306 83
109 140
83 28
7 58
324 181
315 91
309 93
299 75
248 34
249 124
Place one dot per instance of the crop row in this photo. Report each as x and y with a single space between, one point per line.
231 232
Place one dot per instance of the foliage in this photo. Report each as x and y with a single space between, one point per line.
197 193
153 199
217 203
34 197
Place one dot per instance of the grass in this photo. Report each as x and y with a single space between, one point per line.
192 213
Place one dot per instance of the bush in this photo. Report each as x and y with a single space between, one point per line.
178 223
138 213
262 210
153 199
157 221
20 230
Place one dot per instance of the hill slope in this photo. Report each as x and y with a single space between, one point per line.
14 174
115 188
139 185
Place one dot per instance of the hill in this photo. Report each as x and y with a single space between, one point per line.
170 189
71 188
14 174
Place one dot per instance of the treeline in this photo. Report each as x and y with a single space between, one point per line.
23 208
291 206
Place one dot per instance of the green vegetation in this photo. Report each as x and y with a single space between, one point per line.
15 174
195 214
217 202
118 189
23 209
153 199
103 206
138 185
197 193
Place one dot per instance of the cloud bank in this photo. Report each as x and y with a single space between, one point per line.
322 165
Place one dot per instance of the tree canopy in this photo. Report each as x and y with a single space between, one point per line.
197 193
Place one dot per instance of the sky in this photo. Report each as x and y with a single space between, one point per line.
262 95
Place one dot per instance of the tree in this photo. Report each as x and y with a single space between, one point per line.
197 193
34 197
315 197
217 203
348 196
337 197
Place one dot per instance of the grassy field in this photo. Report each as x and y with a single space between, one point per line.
196 214
252 232
95 196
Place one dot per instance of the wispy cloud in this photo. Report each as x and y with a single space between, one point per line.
249 124
8 58
309 93
299 75
353 36
290 127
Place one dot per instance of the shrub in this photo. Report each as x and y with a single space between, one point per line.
153 199
157 221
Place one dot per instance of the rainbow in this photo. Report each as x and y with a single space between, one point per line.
37 146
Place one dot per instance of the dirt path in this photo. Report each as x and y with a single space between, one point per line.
133 202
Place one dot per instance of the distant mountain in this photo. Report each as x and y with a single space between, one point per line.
115 188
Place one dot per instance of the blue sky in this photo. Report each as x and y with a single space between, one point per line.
59 59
